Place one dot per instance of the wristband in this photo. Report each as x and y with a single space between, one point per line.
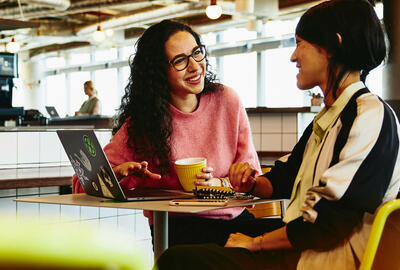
252 187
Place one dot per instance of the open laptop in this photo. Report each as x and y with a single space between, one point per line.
51 110
96 175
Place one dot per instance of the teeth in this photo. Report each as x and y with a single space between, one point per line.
195 78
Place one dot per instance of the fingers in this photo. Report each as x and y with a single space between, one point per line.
207 170
204 176
240 174
135 168
247 174
151 175
234 240
202 183
210 183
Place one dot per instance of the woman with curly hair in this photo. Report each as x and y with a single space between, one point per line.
173 108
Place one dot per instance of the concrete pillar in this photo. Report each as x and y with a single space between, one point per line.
391 75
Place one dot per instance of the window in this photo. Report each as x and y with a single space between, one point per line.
106 83
209 38
280 79
127 52
238 34
55 62
56 93
240 73
106 55
79 58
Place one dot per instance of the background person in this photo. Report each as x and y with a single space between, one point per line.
92 105
172 109
344 167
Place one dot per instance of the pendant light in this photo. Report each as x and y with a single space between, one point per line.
213 11
13 46
99 35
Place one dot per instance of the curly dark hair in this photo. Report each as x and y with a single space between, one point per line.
145 106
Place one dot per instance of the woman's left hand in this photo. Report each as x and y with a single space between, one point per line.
241 240
208 177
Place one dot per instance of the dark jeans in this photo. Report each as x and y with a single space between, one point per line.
211 256
196 230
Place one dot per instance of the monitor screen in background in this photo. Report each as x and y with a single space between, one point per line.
8 65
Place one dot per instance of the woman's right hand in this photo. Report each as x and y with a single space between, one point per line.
242 176
134 168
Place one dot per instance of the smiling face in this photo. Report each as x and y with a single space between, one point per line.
190 80
312 62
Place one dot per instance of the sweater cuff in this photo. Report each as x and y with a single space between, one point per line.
299 232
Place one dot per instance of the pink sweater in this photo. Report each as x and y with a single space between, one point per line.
218 130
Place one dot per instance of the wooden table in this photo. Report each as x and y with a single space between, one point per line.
36 177
160 211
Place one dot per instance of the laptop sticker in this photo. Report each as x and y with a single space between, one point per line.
104 189
84 160
80 173
89 145
106 176
95 186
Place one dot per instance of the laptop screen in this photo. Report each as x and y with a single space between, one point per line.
51 110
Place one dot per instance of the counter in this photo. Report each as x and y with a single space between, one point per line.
98 121
42 128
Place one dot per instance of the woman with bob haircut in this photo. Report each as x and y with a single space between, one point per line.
343 168
173 108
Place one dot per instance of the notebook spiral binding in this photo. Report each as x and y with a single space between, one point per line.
219 193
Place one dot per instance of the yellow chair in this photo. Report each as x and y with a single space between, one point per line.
268 209
383 246
30 245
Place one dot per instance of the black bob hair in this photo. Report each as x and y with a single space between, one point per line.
362 46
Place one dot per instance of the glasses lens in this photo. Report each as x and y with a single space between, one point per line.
199 53
180 63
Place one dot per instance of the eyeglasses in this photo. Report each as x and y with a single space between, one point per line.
181 61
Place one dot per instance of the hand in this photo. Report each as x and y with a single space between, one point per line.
135 168
208 177
242 176
241 240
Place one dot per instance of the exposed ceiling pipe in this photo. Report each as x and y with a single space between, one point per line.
139 17
33 12
56 4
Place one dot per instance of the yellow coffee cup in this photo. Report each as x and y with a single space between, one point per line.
187 169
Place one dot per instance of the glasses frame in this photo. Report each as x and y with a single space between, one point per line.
201 46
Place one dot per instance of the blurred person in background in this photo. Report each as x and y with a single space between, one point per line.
92 105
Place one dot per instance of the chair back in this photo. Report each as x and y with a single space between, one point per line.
383 246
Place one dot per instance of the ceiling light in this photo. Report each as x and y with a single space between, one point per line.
213 11
99 35
13 46
109 32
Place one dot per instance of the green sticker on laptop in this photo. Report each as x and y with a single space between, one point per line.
89 145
